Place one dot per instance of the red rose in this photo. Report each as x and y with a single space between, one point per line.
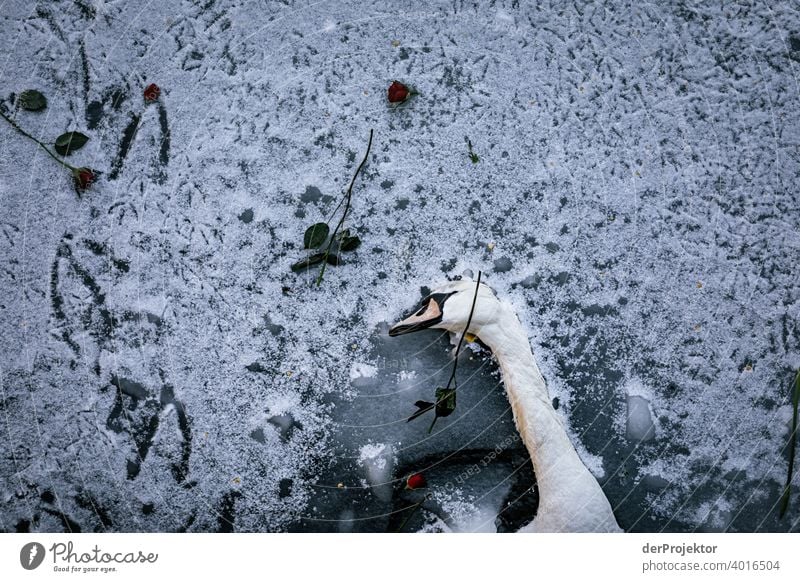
416 481
84 177
151 93
399 93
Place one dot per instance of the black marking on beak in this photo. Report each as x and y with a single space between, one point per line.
428 313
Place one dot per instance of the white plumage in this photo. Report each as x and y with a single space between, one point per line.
570 499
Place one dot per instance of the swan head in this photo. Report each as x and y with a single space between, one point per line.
448 307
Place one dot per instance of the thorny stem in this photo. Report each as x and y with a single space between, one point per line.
433 422
452 379
792 440
40 144
346 210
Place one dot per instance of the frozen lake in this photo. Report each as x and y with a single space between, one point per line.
634 197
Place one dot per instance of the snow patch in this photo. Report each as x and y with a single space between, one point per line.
377 460
362 370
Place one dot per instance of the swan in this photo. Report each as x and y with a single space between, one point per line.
570 499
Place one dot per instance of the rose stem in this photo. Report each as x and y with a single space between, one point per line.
413 511
452 379
346 209
41 145
461 340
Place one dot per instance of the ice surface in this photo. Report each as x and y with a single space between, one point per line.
362 370
635 200
378 463
640 422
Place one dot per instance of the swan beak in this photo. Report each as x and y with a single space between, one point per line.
428 313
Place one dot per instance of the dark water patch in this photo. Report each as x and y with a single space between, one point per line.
258 435
143 428
163 152
87 10
531 281
57 301
560 279
181 468
85 500
257 367
94 114
449 265
85 66
136 316
95 247
227 512
107 320
502 265
246 216
69 524
312 194
518 507
273 328
189 522
522 502
129 387
114 419
601 310
124 146
285 424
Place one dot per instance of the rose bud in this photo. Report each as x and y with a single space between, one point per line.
399 93
416 481
84 177
151 93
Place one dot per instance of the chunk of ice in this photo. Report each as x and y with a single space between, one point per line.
640 421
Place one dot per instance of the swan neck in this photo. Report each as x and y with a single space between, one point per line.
539 425
570 499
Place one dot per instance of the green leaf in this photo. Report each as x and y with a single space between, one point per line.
314 259
343 234
350 243
445 401
32 100
66 143
334 260
315 235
